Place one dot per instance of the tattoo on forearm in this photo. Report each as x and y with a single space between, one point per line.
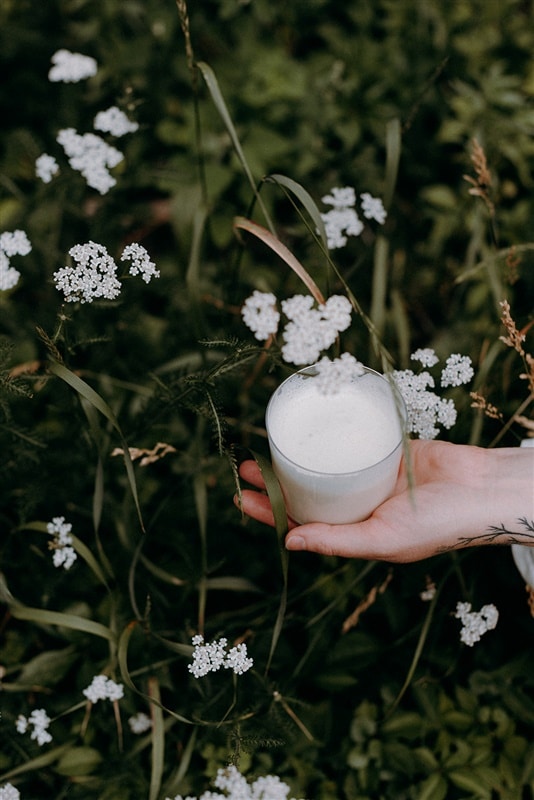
497 534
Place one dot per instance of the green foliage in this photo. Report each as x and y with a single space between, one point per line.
286 101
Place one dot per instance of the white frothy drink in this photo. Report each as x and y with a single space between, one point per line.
336 455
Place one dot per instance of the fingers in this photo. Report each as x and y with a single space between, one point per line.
251 473
255 505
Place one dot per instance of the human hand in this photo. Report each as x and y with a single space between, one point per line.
460 496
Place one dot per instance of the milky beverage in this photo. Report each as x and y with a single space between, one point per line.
336 455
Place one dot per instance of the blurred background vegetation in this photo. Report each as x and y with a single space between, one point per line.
316 91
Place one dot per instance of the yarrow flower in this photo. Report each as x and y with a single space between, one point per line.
37 723
140 723
426 356
373 208
71 67
235 787
8 792
475 623
90 155
64 554
342 220
260 314
213 656
141 263
103 688
12 243
457 371
312 330
425 410
46 167
332 374
93 277
115 122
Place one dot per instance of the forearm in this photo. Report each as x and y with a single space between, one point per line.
507 512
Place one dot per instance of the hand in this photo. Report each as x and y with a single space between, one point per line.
460 496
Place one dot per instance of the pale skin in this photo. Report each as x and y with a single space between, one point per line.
461 496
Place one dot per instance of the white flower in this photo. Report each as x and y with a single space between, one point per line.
426 356
211 657
12 243
15 243
475 623
458 370
64 554
103 688
373 208
312 330
260 314
114 121
71 67
340 198
90 155
46 167
141 263
238 660
8 792
235 787
140 723
339 224
425 410
37 723
93 277
9 276
331 375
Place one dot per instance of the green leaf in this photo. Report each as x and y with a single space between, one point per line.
433 788
47 669
78 761
158 739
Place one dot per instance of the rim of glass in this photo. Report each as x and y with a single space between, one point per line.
400 407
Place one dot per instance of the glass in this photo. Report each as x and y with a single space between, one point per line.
335 455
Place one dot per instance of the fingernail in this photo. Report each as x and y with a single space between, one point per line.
295 543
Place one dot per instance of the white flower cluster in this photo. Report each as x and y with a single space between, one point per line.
90 155
342 220
46 167
8 792
475 623
70 67
12 243
103 688
235 787
425 409
309 330
212 656
140 723
141 263
115 122
38 721
312 330
457 371
260 314
64 554
332 374
94 275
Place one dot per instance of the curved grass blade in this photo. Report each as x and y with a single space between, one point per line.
122 661
220 105
88 393
280 519
306 200
42 616
43 760
158 739
282 251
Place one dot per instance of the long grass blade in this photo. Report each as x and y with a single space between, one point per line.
307 201
280 518
282 251
220 105
158 739
89 394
